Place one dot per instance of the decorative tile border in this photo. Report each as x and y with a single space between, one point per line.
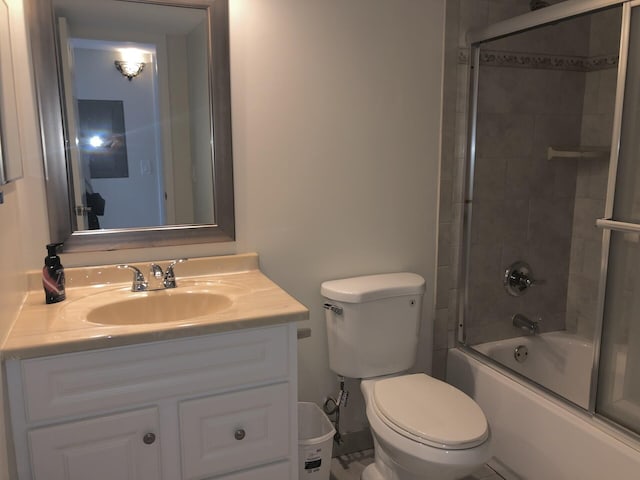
494 58
601 63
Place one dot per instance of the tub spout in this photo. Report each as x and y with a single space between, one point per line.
525 324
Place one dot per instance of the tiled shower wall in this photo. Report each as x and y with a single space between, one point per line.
592 174
557 193
462 15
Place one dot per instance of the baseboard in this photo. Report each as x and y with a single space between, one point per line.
502 470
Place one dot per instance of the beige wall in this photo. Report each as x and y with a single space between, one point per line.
178 98
199 126
336 123
20 215
12 286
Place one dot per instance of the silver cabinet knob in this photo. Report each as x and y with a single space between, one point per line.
149 438
239 434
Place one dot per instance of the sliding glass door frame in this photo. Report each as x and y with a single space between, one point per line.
609 200
608 224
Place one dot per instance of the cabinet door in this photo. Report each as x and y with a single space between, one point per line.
116 447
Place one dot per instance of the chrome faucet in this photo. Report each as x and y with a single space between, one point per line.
159 280
525 324
169 280
156 276
139 283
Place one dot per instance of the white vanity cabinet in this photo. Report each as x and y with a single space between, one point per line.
219 406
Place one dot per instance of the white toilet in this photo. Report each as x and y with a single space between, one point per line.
423 429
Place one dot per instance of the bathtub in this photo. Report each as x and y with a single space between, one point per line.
535 436
558 361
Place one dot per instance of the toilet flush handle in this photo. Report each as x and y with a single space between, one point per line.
334 308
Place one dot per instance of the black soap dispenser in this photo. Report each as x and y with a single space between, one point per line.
53 275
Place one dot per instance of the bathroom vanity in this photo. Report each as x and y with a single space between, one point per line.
211 396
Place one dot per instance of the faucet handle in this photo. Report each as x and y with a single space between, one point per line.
170 276
139 283
518 278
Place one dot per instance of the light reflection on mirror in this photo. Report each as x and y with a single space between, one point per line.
137 113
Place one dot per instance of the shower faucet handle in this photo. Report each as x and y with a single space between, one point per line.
518 278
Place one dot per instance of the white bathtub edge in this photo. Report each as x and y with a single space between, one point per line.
536 438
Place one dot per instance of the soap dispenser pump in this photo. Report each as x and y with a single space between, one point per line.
53 275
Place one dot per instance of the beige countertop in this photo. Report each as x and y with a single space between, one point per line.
42 329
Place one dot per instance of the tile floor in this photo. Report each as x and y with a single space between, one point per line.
349 467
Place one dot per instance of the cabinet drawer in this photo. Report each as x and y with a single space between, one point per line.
223 433
87 382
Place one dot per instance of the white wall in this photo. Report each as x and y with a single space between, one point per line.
336 111
336 123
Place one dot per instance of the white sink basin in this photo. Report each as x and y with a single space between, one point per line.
158 307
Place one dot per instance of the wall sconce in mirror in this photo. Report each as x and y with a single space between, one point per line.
129 69
131 62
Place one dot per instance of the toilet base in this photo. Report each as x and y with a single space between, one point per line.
386 466
371 473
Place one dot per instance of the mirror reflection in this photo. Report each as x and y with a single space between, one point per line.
10 150
135 78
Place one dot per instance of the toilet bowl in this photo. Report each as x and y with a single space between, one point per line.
447 439
423 428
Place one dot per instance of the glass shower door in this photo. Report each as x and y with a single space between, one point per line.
618 390
542 110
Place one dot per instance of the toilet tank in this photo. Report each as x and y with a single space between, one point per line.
372 323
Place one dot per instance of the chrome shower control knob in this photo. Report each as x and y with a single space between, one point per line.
239 434
149 438
518 278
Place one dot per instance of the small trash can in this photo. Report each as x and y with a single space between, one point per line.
315 442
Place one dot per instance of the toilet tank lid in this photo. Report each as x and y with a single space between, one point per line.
373 287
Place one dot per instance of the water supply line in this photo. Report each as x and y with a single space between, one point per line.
332 406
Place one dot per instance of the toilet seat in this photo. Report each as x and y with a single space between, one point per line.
429 411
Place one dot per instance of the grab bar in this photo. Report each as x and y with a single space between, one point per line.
617 226
578 152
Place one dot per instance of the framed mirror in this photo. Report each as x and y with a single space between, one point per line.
10 151
135 112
